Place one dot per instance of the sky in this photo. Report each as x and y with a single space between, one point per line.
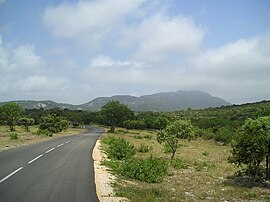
76 50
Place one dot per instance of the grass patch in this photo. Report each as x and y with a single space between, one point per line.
144 148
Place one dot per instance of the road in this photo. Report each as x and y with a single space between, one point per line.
55 170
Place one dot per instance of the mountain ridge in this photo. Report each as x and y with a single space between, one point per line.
163 101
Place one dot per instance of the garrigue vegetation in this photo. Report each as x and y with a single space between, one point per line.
243 128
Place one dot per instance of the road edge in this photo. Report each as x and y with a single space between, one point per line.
103 178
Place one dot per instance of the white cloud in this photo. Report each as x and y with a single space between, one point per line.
24 74
159 35
237 71
43 84
88 21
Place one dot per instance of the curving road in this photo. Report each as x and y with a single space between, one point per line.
56 170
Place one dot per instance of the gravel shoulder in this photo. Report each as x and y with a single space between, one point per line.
103 177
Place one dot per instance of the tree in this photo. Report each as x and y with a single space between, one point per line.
11 112
53 123
253 147
181 129
26 122
115 114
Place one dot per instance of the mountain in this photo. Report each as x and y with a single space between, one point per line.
166 101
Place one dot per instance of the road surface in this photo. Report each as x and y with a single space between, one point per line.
57 170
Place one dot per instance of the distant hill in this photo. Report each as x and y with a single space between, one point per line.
166 101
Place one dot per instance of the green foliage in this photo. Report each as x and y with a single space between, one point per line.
253 146
181 129
44 132
224 135
134 124
199 166
53 123
168 149
119 148
179 163
26 122
115 165
149 170
13 136
10 114
115 113
144 148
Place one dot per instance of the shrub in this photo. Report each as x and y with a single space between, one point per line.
179 163
144 148
44 132
120 149
167 149
113 164
149 170
13 136
224 135
134 124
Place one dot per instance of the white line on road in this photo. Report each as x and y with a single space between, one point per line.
8 176
60 145
67 142
35 158
50 150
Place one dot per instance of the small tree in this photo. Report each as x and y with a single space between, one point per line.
53 123
252 147
26 122
11 112
181 129
115 113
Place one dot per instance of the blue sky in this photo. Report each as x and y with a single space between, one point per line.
74 51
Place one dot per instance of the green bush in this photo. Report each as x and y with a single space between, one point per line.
167 149
144 148
113 164
44 132
224 135
149 170
13 136
134 124
179 163
120 149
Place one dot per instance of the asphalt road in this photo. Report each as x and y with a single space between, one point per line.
57 170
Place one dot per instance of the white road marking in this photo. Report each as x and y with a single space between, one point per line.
50 150
60 145
35 158
67 142
8 176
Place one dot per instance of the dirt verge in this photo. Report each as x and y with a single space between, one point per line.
103 178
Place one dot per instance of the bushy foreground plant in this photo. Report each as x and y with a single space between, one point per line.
119 148
13 136
149 170
252 148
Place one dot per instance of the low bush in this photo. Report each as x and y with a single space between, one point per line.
120 149
149 170
113 164
134 124
179 163
44 132
144 148
13 136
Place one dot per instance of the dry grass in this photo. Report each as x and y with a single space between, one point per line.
28 137
205 178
